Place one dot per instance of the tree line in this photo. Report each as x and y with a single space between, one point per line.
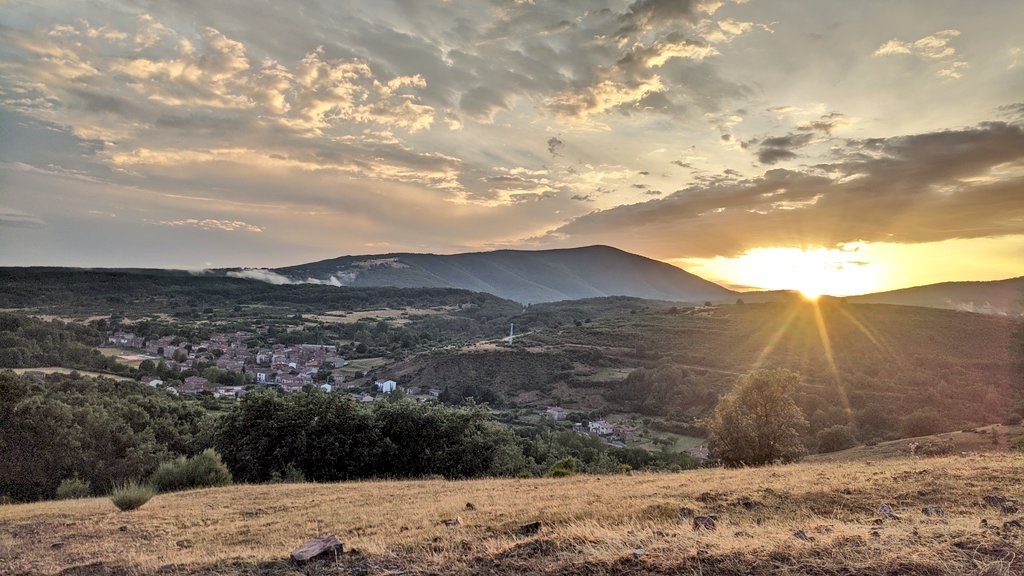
99 433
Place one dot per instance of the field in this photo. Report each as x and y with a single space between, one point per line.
811 518
59 370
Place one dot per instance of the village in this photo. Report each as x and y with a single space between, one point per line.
292 369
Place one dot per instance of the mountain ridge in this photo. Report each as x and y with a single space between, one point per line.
527 276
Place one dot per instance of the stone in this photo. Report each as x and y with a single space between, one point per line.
1009 507
935 511
801 535
317 547
876 534
638 552
749 504
470 506
528 529
994 500
886 511
1012 525
452 521
704 522
685 512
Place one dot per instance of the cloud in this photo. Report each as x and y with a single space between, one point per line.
827 124
261 274
211 224
935 47
555 146
645 15
778 148
12 219
918 188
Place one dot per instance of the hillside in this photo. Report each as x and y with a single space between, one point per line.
877 367
812 518
1003 297
522 276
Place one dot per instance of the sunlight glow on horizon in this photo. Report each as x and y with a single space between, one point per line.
862 267
814 271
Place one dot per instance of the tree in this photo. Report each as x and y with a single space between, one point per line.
758 422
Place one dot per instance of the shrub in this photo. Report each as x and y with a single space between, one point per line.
72 488
1018 445
131 495
565 467
835 438
293 475
200 471
937 447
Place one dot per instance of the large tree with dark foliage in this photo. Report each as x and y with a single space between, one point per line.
758 422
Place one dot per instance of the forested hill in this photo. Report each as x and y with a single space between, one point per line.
1003 297
522 276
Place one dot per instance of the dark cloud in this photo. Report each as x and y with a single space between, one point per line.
582 197
644 15
774 155
555 146
482 102
917 188
778 148
1015 111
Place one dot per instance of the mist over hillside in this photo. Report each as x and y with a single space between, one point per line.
1003 297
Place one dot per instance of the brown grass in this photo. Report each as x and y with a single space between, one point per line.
592 524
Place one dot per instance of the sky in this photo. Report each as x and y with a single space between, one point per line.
856 146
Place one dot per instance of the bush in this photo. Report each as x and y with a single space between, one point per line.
200 471
1018 445
564 468
72 488
291 475
131 495
937 447
835 438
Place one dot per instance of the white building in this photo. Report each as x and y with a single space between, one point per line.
386 386
600 427
327 388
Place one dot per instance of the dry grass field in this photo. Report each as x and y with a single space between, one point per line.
811 518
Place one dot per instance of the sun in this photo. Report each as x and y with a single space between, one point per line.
813 271
810 294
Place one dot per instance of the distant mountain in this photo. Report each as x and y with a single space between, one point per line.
1003 297
523 276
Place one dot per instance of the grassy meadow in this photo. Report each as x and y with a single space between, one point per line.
809 518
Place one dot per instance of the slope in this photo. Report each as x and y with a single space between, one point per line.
520 275
1004 297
